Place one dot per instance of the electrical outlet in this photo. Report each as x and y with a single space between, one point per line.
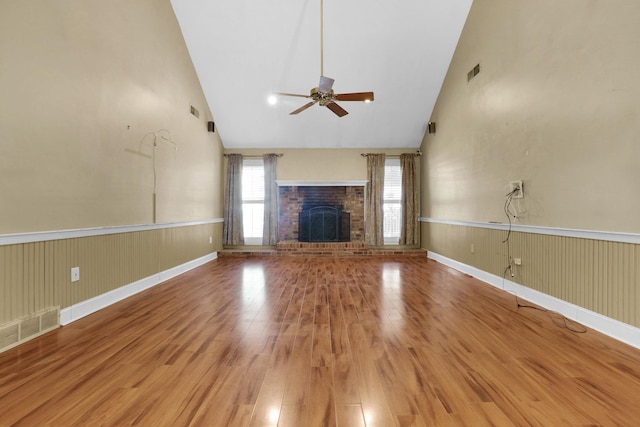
473 248
516 188
210 239
75 274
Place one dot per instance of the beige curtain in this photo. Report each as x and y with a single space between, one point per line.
409 201
233 233
270 229
373 203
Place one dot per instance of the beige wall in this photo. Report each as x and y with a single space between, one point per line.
82 83
314 164
555 104
83 86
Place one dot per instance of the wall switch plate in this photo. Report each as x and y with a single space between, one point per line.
517 261
75 274
210 239
516 188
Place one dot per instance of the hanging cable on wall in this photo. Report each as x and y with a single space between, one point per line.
509 214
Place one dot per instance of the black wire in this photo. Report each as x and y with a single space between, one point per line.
566 323
507 203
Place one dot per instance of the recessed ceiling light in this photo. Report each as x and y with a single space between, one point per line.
272 100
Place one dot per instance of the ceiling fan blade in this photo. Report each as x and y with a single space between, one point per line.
340 112
325 85
304 107
356 96
291 94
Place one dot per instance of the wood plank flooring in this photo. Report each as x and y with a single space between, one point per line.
320 342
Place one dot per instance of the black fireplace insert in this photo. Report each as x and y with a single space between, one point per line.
324 224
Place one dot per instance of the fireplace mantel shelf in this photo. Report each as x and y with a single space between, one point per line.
349 183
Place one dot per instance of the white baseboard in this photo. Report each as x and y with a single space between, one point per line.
84 308
615 329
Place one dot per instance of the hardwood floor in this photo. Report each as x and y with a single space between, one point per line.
320 342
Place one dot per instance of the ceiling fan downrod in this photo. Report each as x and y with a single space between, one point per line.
322 37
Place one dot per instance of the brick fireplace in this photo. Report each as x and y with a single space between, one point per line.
294 198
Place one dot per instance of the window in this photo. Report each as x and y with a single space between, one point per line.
391 201
252 200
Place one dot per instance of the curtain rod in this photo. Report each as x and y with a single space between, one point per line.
255 156
417 154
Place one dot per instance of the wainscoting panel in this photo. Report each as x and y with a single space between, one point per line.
24 290
184 244
598 275
106 262
37 275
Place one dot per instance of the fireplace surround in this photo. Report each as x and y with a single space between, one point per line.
348 199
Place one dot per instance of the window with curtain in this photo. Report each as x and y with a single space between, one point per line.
253 200
391 201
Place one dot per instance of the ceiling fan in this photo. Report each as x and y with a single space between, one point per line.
323 95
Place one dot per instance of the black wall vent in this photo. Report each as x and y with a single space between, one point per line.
474 72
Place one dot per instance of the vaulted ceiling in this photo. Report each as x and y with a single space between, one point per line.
243 51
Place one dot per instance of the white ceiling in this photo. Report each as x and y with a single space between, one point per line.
244 50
